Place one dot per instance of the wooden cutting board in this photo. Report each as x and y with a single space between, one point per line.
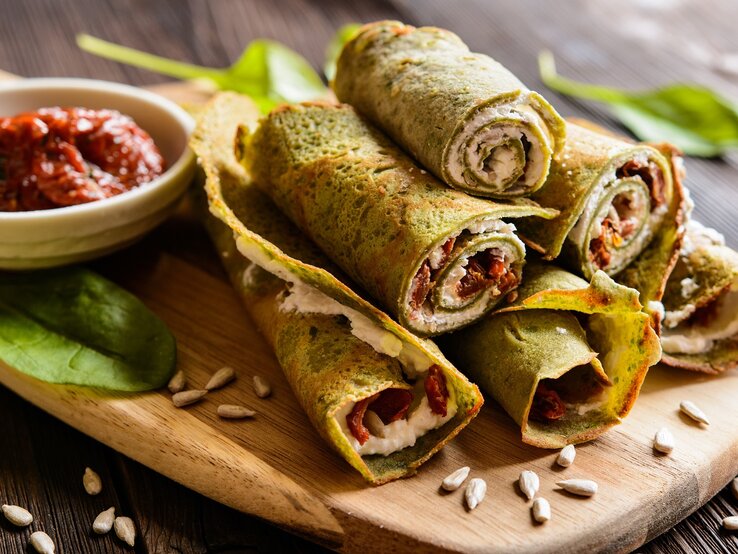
276 467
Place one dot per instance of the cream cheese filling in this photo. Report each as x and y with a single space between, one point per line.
696 339
503 163
399 434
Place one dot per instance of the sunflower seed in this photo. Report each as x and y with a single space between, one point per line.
567 455
374 423
580 487
20 517
104 521
454 481
663 441
731 523
529 483
185 398
232 411
541 510
125 530
177 383
261 387
474 493
691 409
734 487
221 378
42 543
91 482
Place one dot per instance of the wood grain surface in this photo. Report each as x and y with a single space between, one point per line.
626 44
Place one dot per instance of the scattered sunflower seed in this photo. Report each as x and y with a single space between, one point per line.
663 441
221 378
177 383
529 483
541 510
104 521
474 493
232 411
261 387
731 523
91 482
42 543
567 455
580 487
187 397
454 480
20 517
125 530
691 409
734 487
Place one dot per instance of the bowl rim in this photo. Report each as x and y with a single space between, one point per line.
136 93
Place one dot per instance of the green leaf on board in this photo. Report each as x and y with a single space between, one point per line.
694 118
342 36
72 326
267 71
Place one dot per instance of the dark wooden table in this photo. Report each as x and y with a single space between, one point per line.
633 44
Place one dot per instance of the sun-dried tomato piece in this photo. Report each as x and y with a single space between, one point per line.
421 286
436 391
355 420
547 405
392 404
651 174
485 269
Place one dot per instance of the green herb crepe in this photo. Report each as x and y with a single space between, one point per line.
566 360
700 330
617 200
460 114
434 257
352 369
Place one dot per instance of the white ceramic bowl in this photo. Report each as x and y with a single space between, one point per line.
46 238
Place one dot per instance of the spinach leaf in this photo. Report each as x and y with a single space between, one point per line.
72 326
342 36
267 71
694 118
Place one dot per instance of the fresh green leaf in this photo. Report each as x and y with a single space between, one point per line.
694 118
267 71
72 326
342 36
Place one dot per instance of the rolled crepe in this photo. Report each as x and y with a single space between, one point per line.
384 399
434 257
462 115
614 198
566 360
700 329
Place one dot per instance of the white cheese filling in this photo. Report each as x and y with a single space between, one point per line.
696 339
399 434
503 163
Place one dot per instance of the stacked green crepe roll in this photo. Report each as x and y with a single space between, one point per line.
434 257
617 200
384 399
700 328
566 360
461 114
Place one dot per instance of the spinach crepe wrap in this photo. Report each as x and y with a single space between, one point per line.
700 329
566 360
615 197
434 257
384 399
461 114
